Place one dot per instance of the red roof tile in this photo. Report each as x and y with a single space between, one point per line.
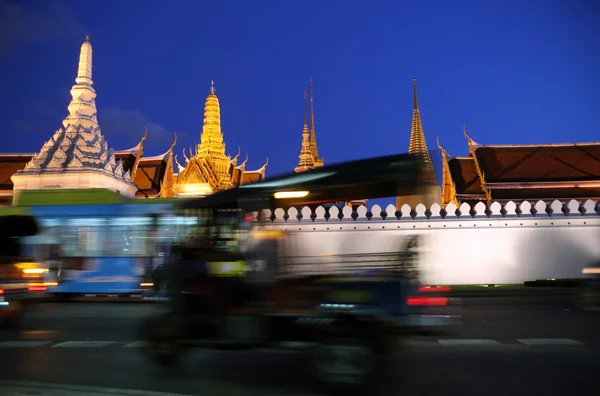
539 163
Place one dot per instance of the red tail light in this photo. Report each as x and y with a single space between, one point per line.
439 289
36 288
428 301
1 291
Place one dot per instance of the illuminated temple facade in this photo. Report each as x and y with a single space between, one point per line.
77 156
209 169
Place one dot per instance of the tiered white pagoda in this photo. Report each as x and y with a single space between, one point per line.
77 156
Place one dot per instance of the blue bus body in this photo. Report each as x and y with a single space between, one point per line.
98 249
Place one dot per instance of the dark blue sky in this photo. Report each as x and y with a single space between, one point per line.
516 72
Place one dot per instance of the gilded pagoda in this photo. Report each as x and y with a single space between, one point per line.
309 154
78 156
418 146
209 169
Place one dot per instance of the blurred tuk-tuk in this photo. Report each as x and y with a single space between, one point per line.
233 284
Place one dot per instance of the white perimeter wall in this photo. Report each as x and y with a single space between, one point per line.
509 244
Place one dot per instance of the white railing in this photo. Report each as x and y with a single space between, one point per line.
421 212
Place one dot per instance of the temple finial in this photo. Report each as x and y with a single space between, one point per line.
465 130
84 70
313 135
305 119
415 100
87 37
212 87
174 140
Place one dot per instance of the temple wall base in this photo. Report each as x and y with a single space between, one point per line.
509 244
71 180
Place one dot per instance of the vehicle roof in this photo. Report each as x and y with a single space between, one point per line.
377 177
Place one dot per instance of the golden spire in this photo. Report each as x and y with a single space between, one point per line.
212 147
417 143
318 162
211 140
306 157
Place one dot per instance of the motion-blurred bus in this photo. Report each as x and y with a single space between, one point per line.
95 242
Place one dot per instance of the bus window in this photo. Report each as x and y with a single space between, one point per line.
128 236
83 237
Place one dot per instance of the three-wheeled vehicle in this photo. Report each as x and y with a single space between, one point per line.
234 284
16 271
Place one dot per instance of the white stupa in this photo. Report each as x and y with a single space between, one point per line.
77 156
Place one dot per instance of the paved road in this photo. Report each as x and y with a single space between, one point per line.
506 346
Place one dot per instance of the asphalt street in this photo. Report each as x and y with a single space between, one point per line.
505 346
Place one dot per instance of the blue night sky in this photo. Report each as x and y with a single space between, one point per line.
516 72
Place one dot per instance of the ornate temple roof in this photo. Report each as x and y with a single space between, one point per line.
464 175
526 172
545 162
149 176
9 165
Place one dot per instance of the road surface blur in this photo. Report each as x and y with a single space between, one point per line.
505 346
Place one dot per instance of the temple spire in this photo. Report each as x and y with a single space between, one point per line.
306 158
313 137
417 143
77 155
212 147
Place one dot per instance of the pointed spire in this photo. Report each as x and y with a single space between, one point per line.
84 71
417 144
415 99
78 148
305 119
212 147
211 128
318 162
306 158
